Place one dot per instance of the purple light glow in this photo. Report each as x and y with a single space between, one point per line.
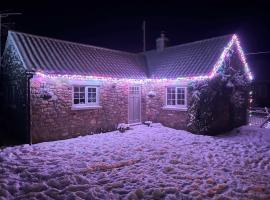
213 72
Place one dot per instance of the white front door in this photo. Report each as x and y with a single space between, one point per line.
134 104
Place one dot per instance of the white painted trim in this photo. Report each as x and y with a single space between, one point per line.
140 86
86 105
175 107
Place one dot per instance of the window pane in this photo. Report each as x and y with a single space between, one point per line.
181 96
181 102
76 89
76 101
82 101
81 95
92 100
82 89
171 96
91 90
76 95
180 90
92 95
170 90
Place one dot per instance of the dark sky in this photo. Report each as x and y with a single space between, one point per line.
118 25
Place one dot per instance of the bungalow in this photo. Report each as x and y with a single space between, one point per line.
57 89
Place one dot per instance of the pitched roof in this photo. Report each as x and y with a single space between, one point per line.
190 59
63 57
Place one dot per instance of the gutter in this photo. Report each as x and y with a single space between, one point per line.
29 75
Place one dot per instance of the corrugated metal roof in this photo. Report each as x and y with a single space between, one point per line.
190 59
63 57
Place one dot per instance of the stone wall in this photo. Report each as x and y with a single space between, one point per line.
154 107
53 118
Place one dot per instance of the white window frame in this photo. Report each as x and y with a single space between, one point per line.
86 104
176 106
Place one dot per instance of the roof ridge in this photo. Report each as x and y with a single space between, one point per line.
70 42
194 42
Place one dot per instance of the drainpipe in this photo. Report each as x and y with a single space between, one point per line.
29 75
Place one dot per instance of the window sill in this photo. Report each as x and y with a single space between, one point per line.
85 107
174 108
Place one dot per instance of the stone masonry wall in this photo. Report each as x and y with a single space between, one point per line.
154 107
54 119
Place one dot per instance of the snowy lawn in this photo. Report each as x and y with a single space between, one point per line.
143 163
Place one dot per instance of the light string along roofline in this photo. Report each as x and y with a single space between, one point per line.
213 72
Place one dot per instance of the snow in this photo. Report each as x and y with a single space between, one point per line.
257 120
142 163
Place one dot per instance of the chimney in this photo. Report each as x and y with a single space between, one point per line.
162 42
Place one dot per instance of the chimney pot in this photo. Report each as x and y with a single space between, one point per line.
162 42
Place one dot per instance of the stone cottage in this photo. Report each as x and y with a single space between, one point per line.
57 89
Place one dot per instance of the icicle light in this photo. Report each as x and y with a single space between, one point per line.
213 72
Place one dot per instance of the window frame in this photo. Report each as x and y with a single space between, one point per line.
86 104
176 106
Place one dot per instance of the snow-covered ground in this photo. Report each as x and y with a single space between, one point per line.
257 120
143 163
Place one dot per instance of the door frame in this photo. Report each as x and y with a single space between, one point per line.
140 96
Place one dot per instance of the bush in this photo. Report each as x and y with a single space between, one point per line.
219 104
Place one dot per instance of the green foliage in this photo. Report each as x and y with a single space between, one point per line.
215 105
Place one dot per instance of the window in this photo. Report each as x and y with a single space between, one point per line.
176 97
85 96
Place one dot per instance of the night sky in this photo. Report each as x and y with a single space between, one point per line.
118 25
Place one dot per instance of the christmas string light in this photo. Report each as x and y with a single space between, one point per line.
242 57
81 77
250 106
221 59
213 72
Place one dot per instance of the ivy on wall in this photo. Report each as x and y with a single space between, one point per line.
219 104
